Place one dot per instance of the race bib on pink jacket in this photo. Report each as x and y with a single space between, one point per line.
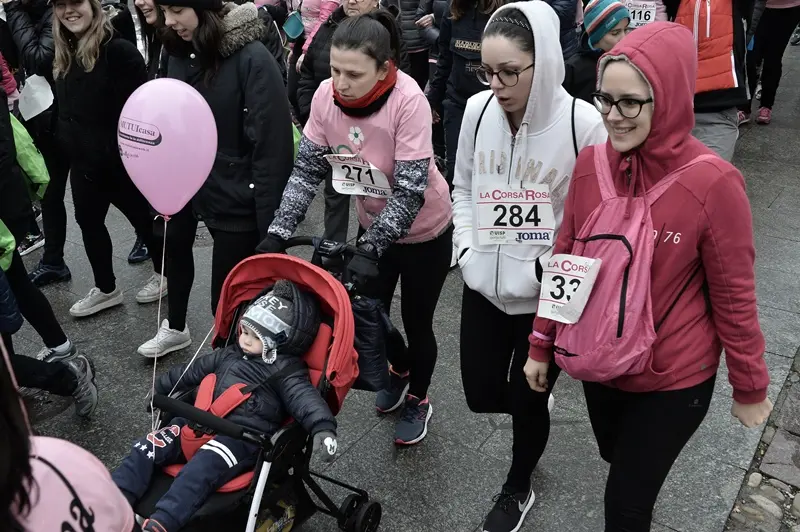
73 491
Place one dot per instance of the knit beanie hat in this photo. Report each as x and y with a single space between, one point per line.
600 17
285 319
197 5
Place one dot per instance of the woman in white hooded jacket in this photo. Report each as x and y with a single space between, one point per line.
517 148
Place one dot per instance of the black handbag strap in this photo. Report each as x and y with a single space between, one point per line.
294 367
574 138
478 125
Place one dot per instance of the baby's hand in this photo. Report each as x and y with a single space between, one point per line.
325 444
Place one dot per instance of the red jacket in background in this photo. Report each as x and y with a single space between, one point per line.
9 83
703 220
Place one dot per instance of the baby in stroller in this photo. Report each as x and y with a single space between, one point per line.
257 383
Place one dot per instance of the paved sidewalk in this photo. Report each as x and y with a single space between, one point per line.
447 482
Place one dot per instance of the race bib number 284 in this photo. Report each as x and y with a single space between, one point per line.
515 216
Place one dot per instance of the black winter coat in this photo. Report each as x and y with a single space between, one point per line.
255 148
566 11
10 318
317 62
271 403
580 73
459 59
15 202
408 18
272 40
31 26
90 103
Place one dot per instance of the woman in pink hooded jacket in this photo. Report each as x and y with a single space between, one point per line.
702 281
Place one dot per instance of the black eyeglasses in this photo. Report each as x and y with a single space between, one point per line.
627 107
509 78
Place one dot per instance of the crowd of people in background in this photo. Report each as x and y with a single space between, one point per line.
589 104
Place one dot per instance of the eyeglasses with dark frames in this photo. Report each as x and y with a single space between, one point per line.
627 107
508 78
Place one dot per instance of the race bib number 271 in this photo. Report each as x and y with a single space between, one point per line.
356 176
515 216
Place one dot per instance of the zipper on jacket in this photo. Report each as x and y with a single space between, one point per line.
708 19
624 289
696 28
497 264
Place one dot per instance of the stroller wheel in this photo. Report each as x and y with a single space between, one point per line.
348 511
369 517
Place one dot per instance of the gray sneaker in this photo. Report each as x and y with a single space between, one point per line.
85 393
58 355
95 301
392 397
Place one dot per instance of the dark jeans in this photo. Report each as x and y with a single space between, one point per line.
92 195
229 250
211 467
179 261
772 35
419 67
494 349
54 214
33 305
337 212
422 269
641 435
453 115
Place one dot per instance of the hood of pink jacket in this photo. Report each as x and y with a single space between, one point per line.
665 54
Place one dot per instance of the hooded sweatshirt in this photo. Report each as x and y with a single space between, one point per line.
541 152
704 256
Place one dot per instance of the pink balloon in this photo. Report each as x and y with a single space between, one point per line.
167 138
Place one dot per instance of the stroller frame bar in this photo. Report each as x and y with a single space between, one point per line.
255 505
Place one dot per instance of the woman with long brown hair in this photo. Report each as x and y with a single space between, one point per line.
95 71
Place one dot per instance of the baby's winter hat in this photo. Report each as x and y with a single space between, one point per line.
600 17
286 320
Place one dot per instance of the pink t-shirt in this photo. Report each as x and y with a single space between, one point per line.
399 131
72 487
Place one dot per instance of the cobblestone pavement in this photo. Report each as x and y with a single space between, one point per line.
446 483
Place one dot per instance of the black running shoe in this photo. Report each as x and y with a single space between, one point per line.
30 243
45 274
139 252
509 511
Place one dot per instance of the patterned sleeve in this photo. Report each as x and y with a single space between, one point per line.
309 171
408 195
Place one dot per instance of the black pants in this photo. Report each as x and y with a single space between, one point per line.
33 305
337 212
178 263
53 377
292 76
54 213
453 115
229 250
92 195
422 269
419 67
641 435
214 464
494 349
772 35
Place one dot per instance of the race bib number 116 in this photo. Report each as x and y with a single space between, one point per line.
515 216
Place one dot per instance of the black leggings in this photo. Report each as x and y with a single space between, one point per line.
451 121
641 435
422 269
92 196
772 35
494 349
33 305
419 67
179 263
230 249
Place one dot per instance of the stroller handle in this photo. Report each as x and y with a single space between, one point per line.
325 248
210 421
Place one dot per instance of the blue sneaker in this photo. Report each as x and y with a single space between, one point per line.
413 424
45 274
391 398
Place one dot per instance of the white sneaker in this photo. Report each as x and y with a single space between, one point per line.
152 290
95 301
454 257
550 402
165 341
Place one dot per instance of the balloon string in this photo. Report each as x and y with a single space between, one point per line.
7 358
158 327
